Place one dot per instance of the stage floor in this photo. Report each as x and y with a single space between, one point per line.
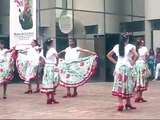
94 101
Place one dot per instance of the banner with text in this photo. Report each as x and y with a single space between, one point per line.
22 22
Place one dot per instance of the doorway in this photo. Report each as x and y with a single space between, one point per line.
61 39
111 41
103 44
100 49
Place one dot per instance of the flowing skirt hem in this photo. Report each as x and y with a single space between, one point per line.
47 90
92 72
122 95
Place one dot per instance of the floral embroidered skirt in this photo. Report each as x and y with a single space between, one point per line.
74 73
124 83
27 68
6 69
142 73
50 79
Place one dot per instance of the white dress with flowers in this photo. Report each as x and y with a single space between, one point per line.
75 71
51 75
6 66
27 64
124 82
142 70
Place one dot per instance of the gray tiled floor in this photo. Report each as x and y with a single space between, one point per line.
94 102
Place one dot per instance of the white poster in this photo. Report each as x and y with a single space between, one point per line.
22 22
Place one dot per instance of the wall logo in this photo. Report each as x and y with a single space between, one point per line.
66 24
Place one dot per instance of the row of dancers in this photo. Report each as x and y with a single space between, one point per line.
130 75
70 72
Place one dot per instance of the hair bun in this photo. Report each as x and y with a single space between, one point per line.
140 41
126 35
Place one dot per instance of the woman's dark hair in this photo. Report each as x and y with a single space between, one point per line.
137 47
1 42
75 42
151 51
157 51
46 44
122 41
138 43
19 10
36 42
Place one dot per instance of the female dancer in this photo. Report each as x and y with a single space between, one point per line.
51 76
123 86
73 71
142 70
27 65
6 67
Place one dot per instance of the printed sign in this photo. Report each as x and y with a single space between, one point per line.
22 21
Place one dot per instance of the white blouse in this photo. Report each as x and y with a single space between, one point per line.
32 53
142 53
2 54
72 53
127 56
50 58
